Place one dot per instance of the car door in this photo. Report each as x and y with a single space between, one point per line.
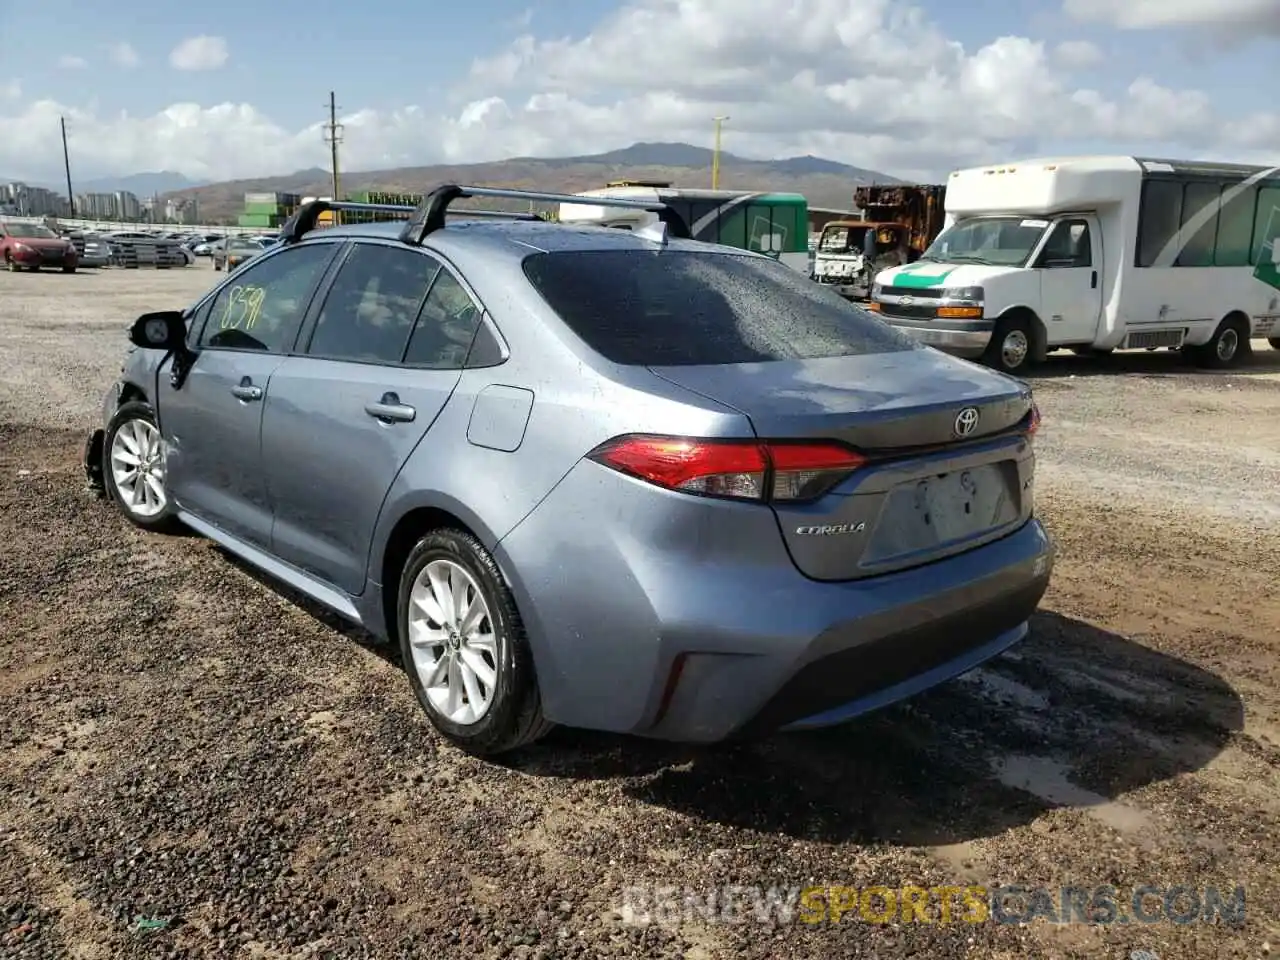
378 365
1070 289
212 422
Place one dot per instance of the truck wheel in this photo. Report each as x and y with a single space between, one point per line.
1010 348
1275 342
1228 346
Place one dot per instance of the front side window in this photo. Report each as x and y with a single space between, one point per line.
1068 246
994 241
263 308
676 307
370 310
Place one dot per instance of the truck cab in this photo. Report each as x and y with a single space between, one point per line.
850 252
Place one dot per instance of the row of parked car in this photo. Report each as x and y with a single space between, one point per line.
36 246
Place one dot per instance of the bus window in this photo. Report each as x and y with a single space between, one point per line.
764 236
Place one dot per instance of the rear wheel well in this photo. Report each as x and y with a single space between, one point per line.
1039 335
409 529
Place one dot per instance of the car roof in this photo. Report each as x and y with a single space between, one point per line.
520 238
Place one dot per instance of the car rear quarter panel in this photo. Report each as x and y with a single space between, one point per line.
579 401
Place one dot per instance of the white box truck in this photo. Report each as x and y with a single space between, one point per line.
1095 254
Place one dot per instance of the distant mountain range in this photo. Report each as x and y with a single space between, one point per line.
141 184
826 183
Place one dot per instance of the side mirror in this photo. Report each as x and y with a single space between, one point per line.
165 330
869 243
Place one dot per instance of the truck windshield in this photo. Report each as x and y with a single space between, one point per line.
999 241
836 239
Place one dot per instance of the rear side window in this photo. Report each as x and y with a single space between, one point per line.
681 308
372 305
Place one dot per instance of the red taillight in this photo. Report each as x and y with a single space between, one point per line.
1034 425
736 469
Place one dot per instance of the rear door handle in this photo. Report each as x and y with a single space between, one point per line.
1093 281
390 410
245 390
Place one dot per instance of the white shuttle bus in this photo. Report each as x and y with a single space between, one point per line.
1095 254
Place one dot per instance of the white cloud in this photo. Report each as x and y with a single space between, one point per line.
199 53
876 84
68 62
1243 15
123 55
1077 54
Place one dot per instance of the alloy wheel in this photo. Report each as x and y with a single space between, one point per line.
137 468
451 635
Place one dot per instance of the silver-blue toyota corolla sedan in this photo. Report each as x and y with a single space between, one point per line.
584 476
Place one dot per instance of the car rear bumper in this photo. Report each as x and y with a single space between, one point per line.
700 629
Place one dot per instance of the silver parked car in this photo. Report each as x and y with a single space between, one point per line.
97 251
606 479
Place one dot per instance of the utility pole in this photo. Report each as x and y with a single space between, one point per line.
715 155
66 163
333 137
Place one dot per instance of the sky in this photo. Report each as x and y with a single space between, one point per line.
913 88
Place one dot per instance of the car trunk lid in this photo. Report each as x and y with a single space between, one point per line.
947 466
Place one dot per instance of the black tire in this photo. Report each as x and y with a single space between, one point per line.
11 264
514 716
1002 352
1228 347
1275 342
68 269
165 520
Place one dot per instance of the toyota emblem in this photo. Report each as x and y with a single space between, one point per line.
966 421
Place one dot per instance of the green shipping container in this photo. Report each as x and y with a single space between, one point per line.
262 209
260 220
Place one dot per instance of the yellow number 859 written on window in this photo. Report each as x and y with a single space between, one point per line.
243 307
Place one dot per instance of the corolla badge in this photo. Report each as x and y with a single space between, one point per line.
830 529
966 421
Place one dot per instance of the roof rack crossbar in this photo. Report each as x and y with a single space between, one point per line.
430 214
308 215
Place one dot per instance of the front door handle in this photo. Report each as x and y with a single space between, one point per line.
1093 281
390 410
245 390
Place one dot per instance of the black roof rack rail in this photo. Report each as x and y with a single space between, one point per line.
430 214
308 215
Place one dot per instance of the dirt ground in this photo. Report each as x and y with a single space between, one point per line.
193 765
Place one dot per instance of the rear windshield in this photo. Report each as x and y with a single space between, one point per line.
679 308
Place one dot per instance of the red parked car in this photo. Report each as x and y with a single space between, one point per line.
32 246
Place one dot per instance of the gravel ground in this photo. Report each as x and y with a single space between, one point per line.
194 765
